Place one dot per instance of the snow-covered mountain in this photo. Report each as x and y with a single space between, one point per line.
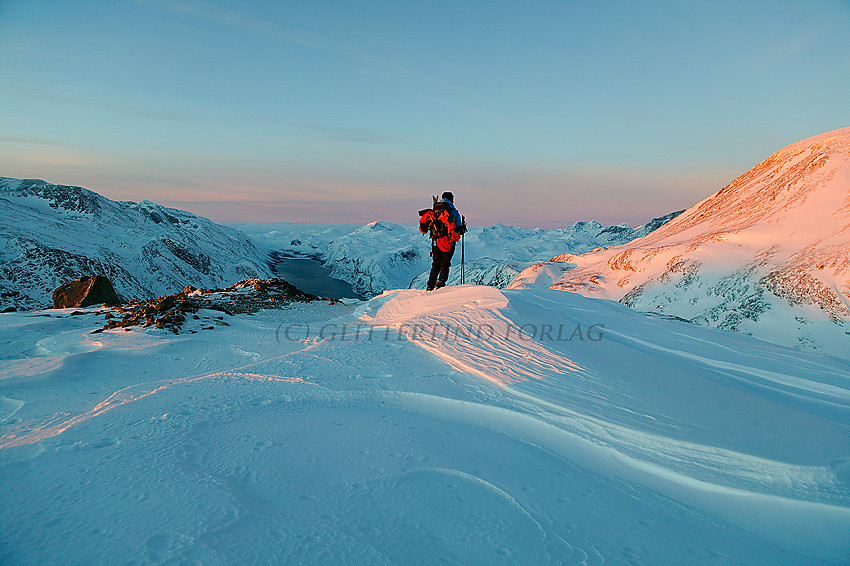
767 255
56 233
384 255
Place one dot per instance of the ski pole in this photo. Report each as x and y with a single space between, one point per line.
462 262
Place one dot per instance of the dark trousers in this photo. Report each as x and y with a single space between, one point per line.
440 265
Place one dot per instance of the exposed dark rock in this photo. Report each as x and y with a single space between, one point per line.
164 304
660 221
199 261
85 292
169 312
63 197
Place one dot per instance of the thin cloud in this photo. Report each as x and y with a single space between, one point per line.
343 134
31 141
48 159
397 68
596 158
455 67
323 132
87 103
232 18
464 108
239 20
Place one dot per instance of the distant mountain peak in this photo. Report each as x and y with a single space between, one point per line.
53 234
806 183
66 198
766 255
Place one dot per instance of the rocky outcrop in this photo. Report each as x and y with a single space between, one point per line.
172 312
85 292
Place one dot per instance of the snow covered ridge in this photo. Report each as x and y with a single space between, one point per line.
384 255
767 255
56 233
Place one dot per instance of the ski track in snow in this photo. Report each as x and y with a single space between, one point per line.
130 394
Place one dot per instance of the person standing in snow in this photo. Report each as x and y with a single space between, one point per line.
445 226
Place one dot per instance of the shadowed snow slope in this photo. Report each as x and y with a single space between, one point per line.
766 255
53 234
464 426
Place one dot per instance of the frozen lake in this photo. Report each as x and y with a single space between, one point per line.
311 276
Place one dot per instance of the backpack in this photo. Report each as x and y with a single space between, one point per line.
438 223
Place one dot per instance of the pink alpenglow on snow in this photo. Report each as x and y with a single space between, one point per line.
767 255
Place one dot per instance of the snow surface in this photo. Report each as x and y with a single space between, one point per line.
767 255
465 426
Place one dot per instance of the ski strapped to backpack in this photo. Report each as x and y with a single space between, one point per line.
438 223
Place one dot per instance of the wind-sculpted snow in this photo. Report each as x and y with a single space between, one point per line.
725 479
468 425
461 327
766 255
53 234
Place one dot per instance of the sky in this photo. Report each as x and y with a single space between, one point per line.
532 113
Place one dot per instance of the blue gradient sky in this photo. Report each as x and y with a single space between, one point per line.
534 113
